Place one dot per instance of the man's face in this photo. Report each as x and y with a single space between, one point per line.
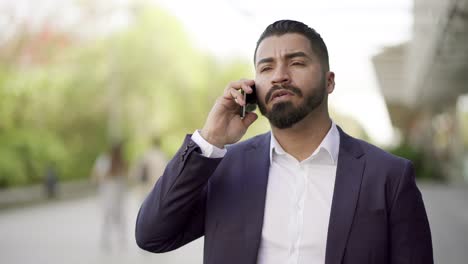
289 79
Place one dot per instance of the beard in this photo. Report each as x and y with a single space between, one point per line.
284 114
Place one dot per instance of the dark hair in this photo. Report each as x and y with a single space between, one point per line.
282 27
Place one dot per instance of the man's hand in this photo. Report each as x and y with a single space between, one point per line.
224 124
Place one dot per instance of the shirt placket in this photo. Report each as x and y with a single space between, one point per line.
298 213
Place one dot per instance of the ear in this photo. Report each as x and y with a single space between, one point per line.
330 81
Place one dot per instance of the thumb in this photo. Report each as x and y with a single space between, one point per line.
250 117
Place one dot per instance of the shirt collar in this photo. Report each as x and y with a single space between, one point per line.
330 143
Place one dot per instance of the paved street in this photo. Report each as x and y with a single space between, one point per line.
447 209
68 232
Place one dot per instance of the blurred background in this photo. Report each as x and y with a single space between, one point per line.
79 77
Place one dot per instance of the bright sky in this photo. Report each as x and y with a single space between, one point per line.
353 31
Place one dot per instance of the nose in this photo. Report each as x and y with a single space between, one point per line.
280 75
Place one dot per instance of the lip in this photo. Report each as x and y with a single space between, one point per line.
280 95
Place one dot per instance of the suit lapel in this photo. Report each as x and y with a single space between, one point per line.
349 172
257 165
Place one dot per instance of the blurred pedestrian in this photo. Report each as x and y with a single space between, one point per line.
50 181
149 168
110 172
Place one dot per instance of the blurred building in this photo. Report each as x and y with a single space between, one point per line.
424 80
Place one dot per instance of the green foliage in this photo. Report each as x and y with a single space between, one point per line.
149 76
423 166
24 155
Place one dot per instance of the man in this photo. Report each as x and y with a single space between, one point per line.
305 192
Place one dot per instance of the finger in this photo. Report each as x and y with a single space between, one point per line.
234 90
247 88
237 96
243 84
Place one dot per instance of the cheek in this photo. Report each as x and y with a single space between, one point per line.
311 77
309 80
261 89
261 96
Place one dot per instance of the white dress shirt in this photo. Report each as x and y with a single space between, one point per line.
298 201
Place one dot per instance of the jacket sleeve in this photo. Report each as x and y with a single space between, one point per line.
410 234
173 214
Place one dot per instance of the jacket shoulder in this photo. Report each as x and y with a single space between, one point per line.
375 153
360 148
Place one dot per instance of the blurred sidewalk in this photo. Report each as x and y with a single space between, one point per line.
67 231
30 195
447 209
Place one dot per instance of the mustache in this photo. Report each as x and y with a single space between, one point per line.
290 88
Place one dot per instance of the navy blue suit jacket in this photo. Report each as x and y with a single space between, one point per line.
377 213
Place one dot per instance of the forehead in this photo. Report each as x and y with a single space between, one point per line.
278 46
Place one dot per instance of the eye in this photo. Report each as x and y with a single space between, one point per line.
297 63
266 68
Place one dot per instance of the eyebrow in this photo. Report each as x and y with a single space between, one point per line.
296 54
287 56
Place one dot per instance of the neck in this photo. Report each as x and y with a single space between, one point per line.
303 138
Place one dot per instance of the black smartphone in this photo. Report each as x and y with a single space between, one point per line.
251 102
